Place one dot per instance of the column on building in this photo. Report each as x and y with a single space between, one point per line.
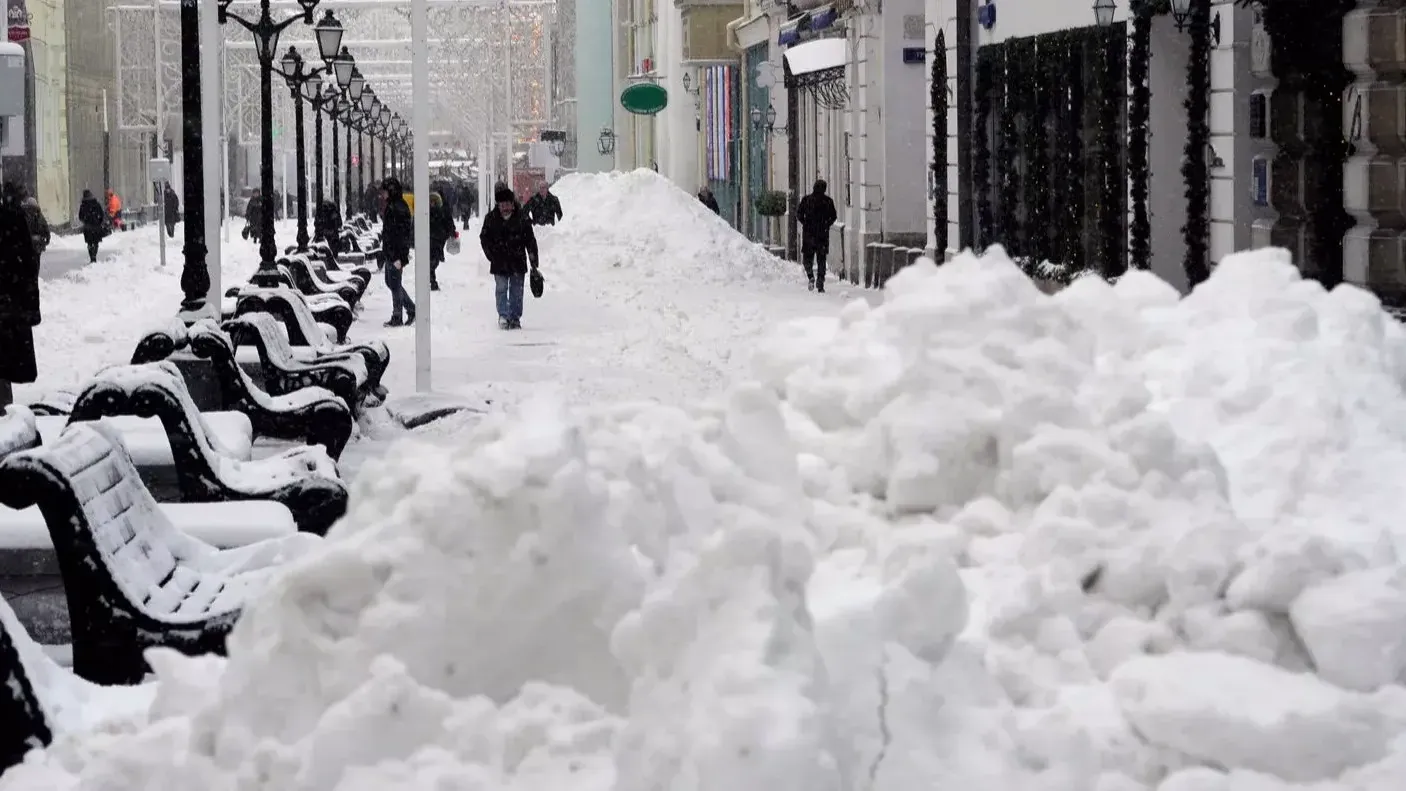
594 75
1374 178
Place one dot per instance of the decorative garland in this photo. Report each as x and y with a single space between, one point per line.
1112 209
1007 168
1037 155
1197 231
939 144
1139 116
981 152
1070 195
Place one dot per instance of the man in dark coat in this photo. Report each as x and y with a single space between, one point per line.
705 196
94 221
510 246
816 214
254 216
327 224
397 237
19 294
470 204
544 208
173 209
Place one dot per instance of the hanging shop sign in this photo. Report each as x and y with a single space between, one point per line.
19 20
644 98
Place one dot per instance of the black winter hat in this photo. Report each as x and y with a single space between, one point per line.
504 195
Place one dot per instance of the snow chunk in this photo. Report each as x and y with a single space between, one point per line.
1237 712
1354 627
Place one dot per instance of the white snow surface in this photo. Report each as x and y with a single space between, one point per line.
973 537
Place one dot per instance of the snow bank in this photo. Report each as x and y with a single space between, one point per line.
975 537
645 222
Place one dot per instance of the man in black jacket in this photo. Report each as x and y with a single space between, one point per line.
510 245
397 237
816 214
544 208
173 209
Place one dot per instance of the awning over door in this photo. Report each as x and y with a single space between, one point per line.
815 56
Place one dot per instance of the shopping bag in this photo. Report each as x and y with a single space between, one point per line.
452 246
536 283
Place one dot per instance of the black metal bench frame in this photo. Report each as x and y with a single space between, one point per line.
315 416
292 310
284 374
110 630
315 501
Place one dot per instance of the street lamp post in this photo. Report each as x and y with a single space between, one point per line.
329 100
266 32
348 118
298 79
312 91
195 277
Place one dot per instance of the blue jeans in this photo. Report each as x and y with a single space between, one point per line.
509 293
395 281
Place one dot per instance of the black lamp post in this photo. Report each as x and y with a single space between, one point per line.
195 277
386 118
347 112
330 101
266 32
373 122
299 82
312 91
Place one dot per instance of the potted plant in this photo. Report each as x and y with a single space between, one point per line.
772 204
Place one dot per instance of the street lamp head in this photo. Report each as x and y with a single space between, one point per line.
385 117
368 99
308 6
756 116
357 84
770 117
605 144
1103 12
342 68
329 38
267 46
687 81
292 66
1181 11
312 91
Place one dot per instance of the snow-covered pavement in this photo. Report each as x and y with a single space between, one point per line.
974 537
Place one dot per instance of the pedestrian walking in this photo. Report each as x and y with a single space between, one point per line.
173 210
441 231
397 236
94 222
816 213
19 293
510 246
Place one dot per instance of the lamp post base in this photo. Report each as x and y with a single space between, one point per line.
267 278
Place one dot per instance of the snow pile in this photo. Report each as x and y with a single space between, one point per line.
976 537
643 221
89 314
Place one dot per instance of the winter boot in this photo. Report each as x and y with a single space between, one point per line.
810 284
394 323
514 324
504 324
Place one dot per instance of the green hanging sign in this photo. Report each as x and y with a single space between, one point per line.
644 98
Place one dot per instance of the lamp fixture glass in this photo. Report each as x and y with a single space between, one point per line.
292 65
1181 11
605 143
756 116
1103 12
356 85
770 117
267 45
687 81
342 69
329 38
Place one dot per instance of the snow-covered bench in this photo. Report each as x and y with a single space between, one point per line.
40 700
132 579
330 310
160 343
330 278
283 372
303 479
306 335
221 525
303 279
313 415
